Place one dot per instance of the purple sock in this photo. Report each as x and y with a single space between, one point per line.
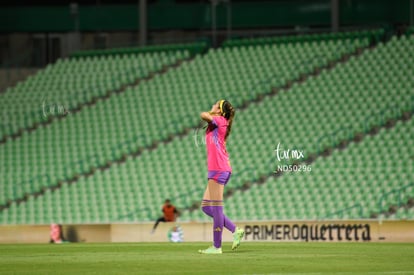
207 210
228 224
218 224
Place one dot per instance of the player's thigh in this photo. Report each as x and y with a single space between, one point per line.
206 195
215 190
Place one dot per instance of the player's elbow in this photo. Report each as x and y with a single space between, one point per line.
205 116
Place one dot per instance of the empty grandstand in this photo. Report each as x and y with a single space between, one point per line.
99 137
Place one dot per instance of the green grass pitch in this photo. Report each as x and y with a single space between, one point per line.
183 258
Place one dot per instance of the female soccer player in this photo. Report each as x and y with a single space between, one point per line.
219 119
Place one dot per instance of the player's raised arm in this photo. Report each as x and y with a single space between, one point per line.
206 116
215 111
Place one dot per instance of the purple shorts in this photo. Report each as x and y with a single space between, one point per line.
221 177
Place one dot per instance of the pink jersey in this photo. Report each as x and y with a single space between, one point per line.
217 156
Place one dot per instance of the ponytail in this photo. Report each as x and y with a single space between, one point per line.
228 112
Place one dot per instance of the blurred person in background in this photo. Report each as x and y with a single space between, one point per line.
170 214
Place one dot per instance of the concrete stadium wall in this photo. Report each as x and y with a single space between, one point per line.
10 77
277 231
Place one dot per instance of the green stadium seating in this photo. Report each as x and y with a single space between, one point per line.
69 83
136 118
344 185
316 114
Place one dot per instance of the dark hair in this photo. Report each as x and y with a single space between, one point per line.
229 113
